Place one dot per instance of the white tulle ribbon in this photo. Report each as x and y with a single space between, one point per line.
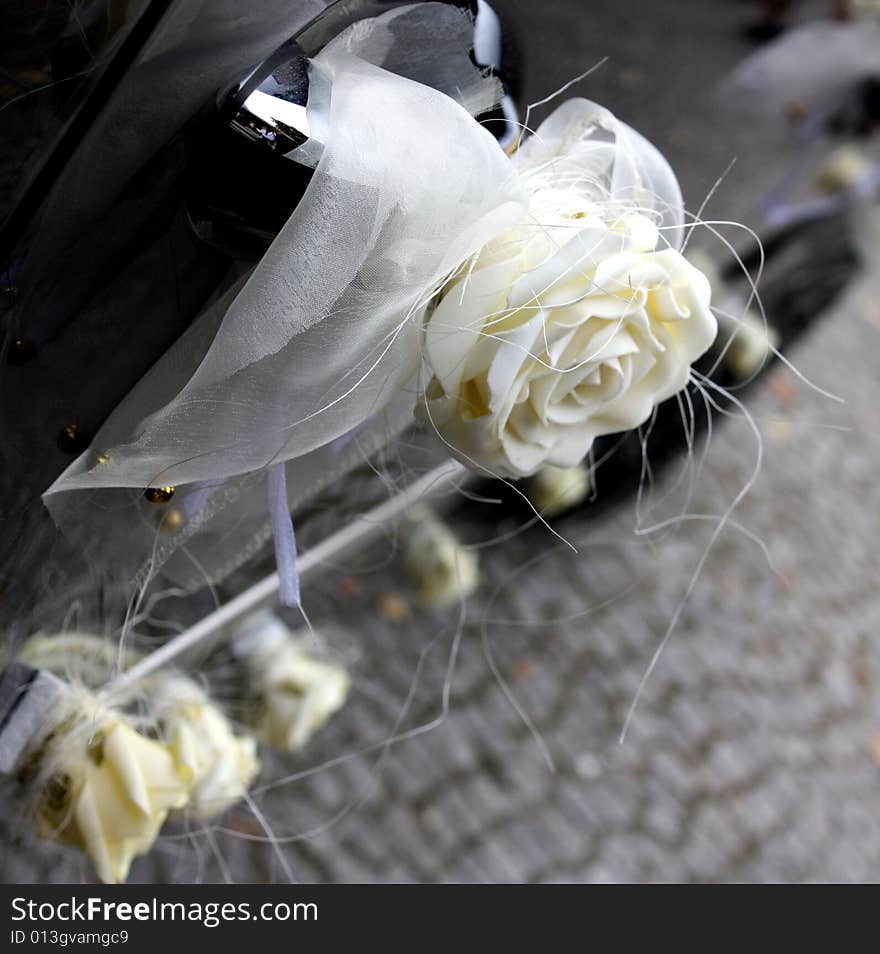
324 337
321 334
321 340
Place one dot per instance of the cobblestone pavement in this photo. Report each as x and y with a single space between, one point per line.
754 754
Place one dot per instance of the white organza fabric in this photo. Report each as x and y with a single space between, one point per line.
586 150
313 357
320 340
321 334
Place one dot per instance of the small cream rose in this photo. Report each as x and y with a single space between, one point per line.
578 321
553 490
80 658
745 338
300 694
441 568
109 790
97 757
296 690
218 764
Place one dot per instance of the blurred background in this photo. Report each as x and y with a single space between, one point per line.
754 752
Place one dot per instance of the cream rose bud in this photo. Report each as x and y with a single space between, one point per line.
110 790
441 568
295 690
567 327
218 764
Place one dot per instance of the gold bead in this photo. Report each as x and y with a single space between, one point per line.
102 457
72 439
159 495
392 607
170 521
21 350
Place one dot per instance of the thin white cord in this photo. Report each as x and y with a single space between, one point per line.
265 591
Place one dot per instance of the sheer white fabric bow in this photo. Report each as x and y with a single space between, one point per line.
325 332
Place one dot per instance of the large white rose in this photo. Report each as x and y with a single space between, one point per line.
578 321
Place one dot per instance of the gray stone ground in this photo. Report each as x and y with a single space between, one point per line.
755 752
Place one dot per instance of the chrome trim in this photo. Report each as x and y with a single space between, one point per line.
269 105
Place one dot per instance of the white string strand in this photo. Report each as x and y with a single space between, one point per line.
441 479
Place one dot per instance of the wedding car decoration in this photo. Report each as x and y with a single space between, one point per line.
517 305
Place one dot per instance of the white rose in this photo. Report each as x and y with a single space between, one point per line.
109 790
439 565
553 490
297 691
575 323
218 764
299 697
